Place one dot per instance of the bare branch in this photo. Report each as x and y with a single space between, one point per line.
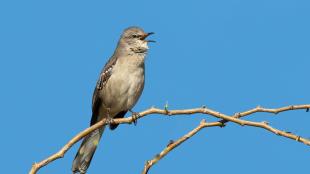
203 124
173 145
203 110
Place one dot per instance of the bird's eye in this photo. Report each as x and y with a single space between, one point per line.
135 36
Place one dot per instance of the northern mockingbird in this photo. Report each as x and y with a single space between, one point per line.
118 88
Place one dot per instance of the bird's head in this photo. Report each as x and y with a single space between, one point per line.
134 39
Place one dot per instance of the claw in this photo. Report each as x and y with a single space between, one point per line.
109 120
135 116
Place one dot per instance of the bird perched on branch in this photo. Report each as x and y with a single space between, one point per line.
118 89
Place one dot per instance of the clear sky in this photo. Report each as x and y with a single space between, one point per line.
230 55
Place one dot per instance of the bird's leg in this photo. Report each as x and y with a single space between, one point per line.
109 120
135 116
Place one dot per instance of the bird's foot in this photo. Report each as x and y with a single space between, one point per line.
109 121
135 116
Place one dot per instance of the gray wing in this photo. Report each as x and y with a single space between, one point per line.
103 78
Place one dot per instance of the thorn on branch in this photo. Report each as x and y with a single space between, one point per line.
238 115
147 163
265 122
258 107
288 132
203 121
307 110
203 106
166 108
34 164
223 123
170 142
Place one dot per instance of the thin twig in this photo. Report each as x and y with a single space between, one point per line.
173 145
203 110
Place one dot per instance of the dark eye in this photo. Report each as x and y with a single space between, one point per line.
135 36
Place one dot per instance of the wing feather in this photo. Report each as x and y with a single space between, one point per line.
103 79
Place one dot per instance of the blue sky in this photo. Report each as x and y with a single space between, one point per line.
230 55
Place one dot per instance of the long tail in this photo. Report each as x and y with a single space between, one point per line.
86 151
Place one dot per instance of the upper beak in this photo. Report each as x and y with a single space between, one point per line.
146 35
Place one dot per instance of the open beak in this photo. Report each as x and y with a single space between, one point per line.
146 35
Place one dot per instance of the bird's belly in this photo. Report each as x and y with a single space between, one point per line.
123 90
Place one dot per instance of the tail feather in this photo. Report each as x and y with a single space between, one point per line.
86 152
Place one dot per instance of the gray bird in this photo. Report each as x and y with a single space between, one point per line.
118 89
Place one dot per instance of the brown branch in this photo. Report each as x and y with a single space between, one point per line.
173 145
203 110
221 123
